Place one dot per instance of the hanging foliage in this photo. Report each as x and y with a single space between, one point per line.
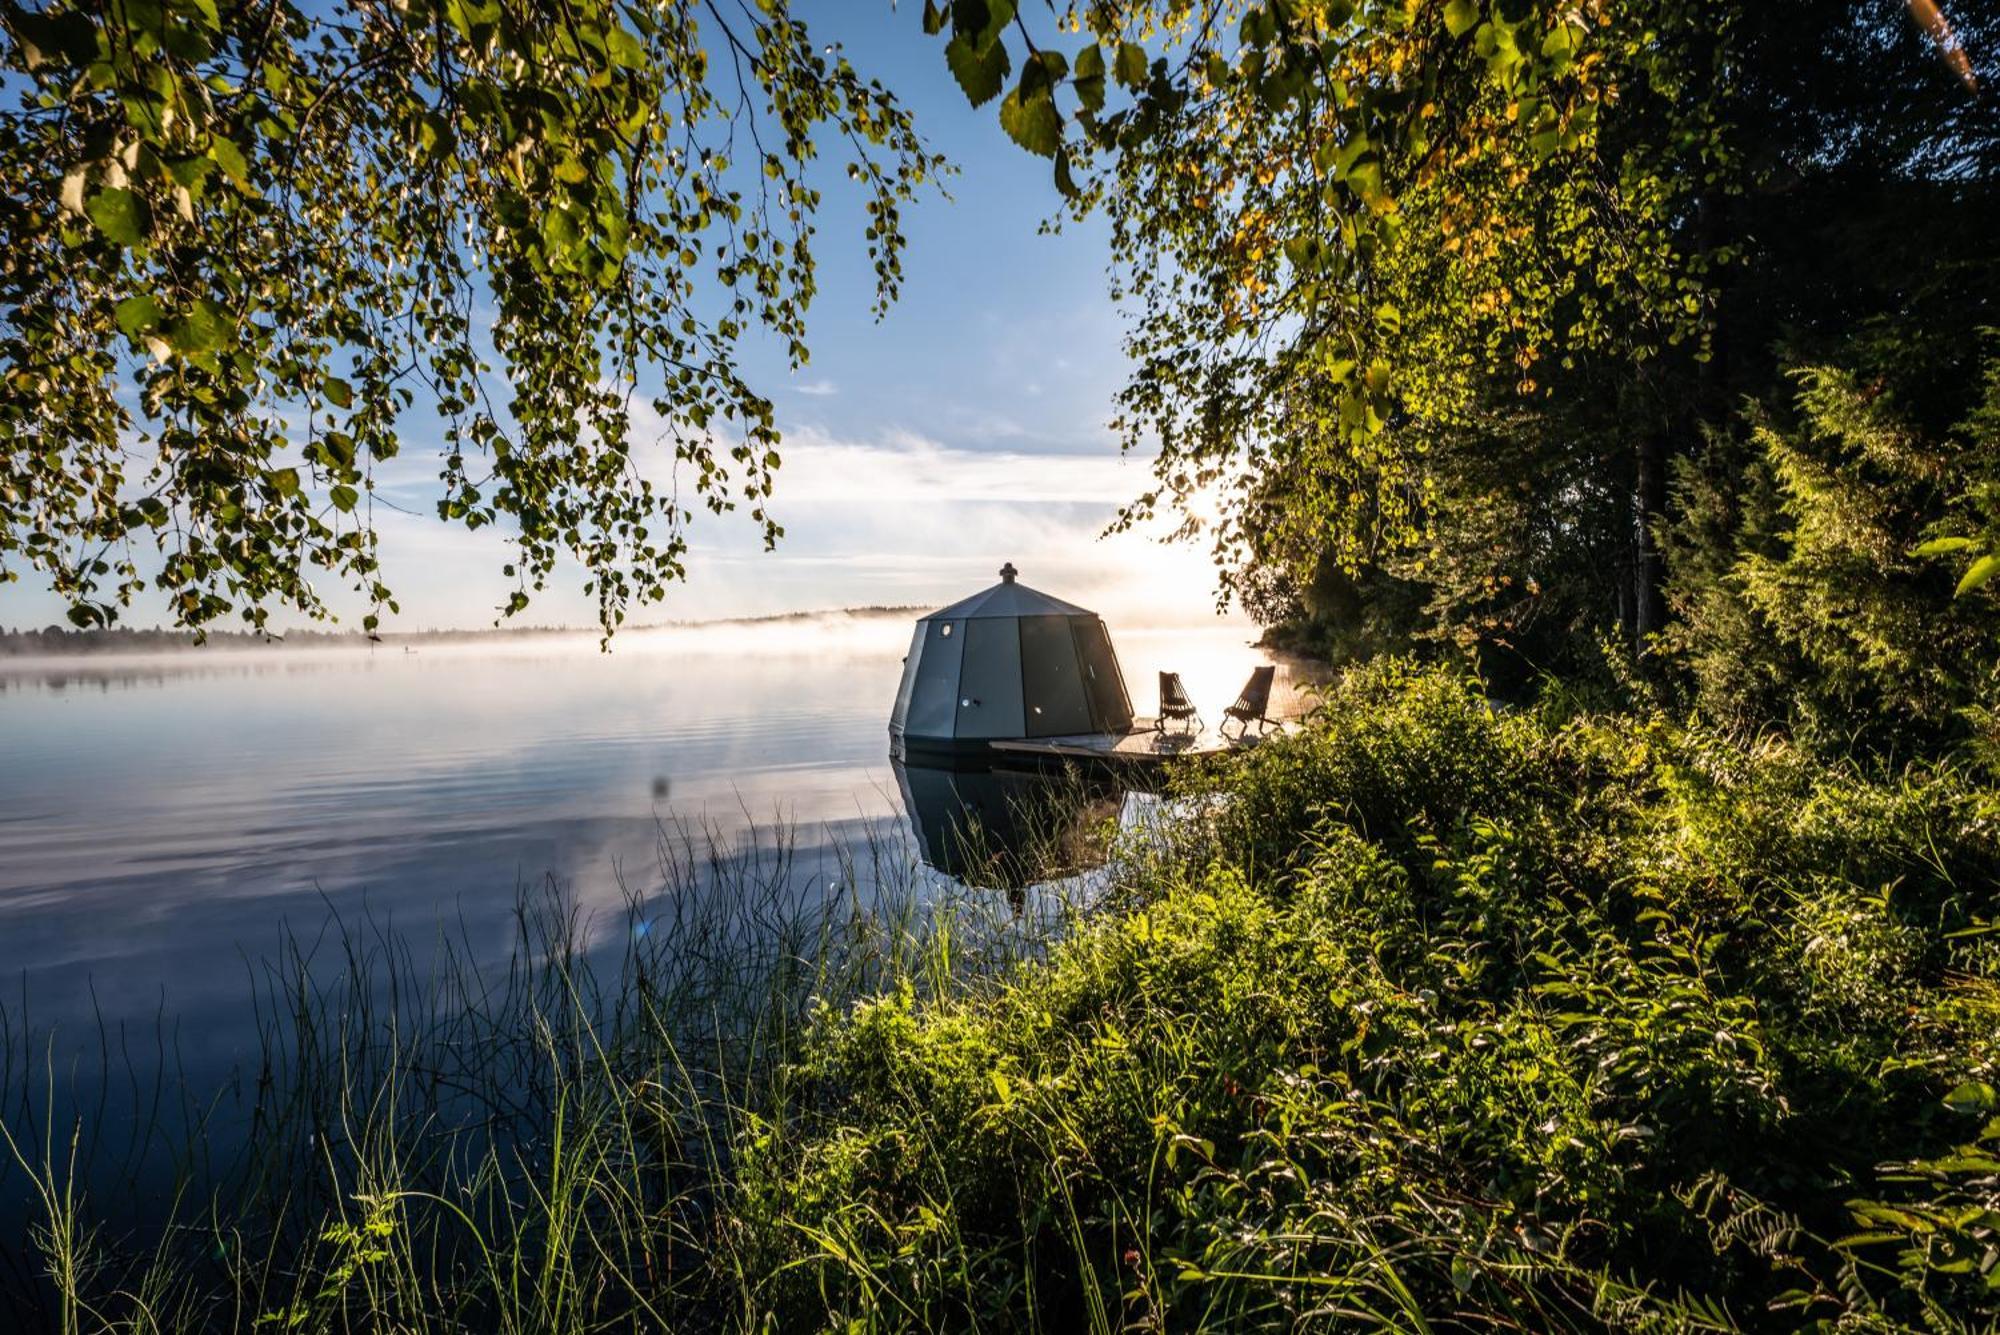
252 248
1330 215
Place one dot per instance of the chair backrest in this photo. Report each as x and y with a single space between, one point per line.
1256 697
1173 695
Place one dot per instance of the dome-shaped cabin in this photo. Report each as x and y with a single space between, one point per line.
1008 663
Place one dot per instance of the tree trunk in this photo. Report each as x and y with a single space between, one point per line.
1649 508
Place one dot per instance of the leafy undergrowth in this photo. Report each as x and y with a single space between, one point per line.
1440 1016
1431 1017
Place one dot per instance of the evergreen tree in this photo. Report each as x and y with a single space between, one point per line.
1807 576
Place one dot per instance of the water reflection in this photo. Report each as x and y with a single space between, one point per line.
177 832
1001 828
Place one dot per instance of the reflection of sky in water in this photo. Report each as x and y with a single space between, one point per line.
163 820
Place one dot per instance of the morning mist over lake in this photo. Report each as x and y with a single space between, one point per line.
933 665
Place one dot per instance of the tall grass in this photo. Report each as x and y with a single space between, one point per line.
543 1145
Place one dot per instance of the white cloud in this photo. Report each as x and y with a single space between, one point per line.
905 467
818 389
905 519
896 519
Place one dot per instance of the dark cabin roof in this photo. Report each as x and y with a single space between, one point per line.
1008 599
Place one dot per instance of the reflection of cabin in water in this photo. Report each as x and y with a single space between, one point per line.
1002 828
1008 663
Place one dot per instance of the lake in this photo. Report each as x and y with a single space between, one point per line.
166 822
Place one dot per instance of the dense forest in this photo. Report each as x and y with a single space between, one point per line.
1783 513
1611 388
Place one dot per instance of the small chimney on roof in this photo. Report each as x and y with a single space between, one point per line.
1007 573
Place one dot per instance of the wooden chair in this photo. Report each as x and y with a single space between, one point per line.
1250 706
1175 705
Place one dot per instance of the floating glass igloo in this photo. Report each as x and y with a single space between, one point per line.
1006 664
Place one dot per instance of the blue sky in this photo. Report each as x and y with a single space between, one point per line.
966 429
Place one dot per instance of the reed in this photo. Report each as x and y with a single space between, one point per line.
546 1144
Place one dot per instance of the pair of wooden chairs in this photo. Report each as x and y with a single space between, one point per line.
1251 706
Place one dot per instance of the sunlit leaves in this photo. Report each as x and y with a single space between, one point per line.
1278 175
136 315
980 68
1979 573
250 247
122 215
1089 78
1032 122
1130 66
1984 565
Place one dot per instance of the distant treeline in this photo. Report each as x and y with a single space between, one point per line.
61 640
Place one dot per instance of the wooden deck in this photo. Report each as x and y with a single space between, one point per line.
1142 748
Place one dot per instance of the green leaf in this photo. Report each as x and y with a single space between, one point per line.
343 498
1982 570
1042 72
1349 151
1562 41
1365 177
190 170
205 327
230 158
1460 17
981 20
1034 124
1130 67
1090 63
1972 1096
559 235
933 18
624 49
1065 181
122 215
1939 546
338 392
135 315
981 70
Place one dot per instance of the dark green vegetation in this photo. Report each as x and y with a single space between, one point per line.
1535 1020
1495 325
1435 1016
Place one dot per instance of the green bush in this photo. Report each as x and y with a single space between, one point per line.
1442 1015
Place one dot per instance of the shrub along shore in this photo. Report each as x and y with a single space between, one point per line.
1437 1015
1445 1017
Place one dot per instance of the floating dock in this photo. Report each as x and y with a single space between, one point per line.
1142 749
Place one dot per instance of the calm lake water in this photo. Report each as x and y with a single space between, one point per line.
165 821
